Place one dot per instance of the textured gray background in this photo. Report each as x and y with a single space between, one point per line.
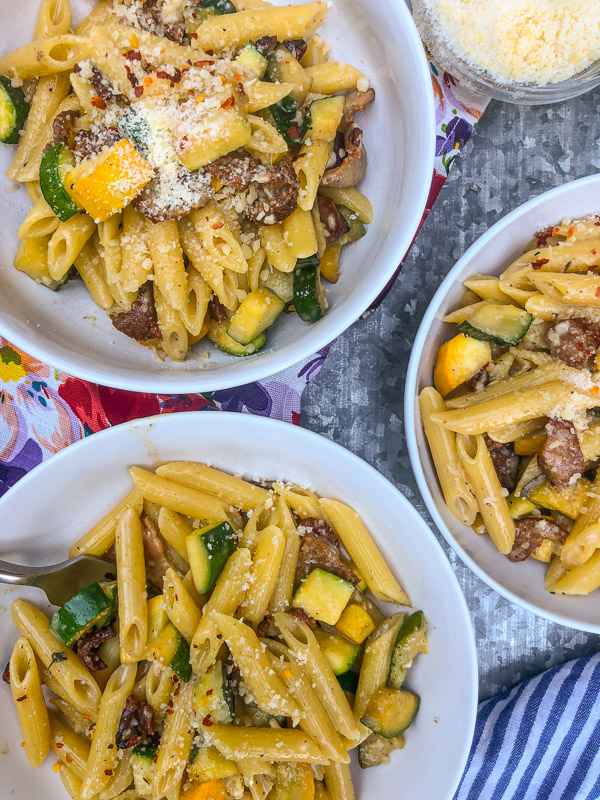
356 400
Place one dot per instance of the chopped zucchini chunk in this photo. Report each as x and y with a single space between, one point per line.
309 296
213 696
208 549
14 109
56 163
207 764
294 781
459 359
217 333
355 623
390 712
411 640
288 120
142 763
323 595
171 649
92 605
356 228
375 750
257 311
325 117
339 652
497 323
250 59
348 681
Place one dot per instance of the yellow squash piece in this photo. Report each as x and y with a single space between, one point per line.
109 181
294 782
216 133
355 623
458 360
568 502
208 790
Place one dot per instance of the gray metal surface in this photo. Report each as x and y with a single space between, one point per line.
357 398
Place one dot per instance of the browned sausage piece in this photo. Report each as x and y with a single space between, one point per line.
237 170
155 552
140 322
561 459
277 189
505 462
87 647
320 548
302 615
137 721
530 532
334 224
62 125
88 144
574 341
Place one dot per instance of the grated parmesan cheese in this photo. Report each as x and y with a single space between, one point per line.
525 41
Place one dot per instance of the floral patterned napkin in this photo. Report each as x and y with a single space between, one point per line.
43 410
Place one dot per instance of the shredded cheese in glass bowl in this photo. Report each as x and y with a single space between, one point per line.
522 51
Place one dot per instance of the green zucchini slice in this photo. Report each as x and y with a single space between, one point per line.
341 653
323 595
142 763
497 323
208 549
14 109
92 605
390 712
213 696
252 60
375 750
357 228
411 640
348 681
309 295
172 650
56 163
257 311
217 333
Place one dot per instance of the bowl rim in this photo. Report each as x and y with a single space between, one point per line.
410 394
256 368
314 440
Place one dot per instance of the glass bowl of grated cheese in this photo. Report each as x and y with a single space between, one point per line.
531 52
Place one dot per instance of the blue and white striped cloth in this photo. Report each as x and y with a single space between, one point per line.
540 740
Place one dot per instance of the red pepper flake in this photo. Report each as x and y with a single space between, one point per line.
570 232
193 35
148 81
227 103
209 692
108 772
170 711
217 225
6 673
98 102
593 252
60 745
539 264
204 63
20 699
237 77
207 721
133 55
293 132
130 76
155 759
209 52
598 292
68 759
138 91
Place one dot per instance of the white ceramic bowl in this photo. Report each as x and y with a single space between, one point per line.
67 330
62 498
522 583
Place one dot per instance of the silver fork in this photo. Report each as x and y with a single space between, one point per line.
59 581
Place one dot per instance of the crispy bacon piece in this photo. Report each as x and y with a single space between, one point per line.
87 647
137 722
140 322
530 532
561 459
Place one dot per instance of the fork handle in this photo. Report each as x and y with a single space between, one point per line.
16 574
